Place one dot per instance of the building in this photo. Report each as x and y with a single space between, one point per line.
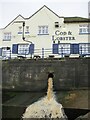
45 34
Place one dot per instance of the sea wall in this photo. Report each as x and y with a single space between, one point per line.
32 75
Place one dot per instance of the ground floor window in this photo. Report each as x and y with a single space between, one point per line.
23 49
64 48
6 52
75 48
84 48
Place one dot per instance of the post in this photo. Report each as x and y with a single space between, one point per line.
25 52
81 51
10 53
42 53
62 52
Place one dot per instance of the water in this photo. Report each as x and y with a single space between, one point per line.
46 107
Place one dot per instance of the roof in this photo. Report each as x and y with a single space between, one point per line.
14 20
66 19
32 15
42 8
76 19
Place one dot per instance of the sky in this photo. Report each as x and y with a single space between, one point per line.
10 9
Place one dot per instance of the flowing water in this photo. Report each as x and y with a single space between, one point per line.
46 107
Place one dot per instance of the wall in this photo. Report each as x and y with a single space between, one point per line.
42 17
32 75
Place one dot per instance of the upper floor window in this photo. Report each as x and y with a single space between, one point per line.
27 29
7 36
84 29
42 30
20 30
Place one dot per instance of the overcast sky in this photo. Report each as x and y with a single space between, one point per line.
9 9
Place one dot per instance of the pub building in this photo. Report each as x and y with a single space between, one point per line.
45 34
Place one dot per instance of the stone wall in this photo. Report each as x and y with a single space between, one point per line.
32 75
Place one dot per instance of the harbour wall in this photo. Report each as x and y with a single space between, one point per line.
32 75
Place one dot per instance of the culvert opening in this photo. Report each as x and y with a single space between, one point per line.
50 75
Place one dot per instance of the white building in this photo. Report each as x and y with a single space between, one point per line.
43 34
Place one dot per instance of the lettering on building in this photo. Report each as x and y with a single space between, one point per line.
59 35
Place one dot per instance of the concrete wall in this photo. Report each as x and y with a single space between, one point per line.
32 75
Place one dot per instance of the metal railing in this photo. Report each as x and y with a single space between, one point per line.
44 53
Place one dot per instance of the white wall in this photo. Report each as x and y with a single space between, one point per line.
43 17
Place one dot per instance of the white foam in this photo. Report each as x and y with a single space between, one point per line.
47 107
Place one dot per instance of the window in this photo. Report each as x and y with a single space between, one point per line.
23 49
84 48
42 30
84 29
64 48
27 29
7 36
20 30
5 52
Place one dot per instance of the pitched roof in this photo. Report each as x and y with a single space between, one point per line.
14 20
76 19
32 15
66 19
42 8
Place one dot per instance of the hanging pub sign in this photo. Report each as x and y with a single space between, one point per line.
59 35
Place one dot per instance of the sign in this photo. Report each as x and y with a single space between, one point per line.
59 35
